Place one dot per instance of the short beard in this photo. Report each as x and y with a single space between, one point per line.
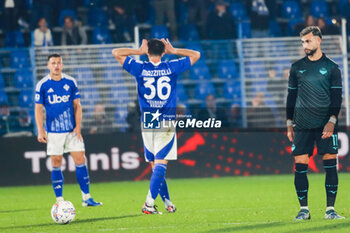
312 52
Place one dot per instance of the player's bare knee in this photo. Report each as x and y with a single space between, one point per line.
329 156
80 159
56 160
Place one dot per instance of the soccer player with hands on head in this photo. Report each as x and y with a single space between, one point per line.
156 82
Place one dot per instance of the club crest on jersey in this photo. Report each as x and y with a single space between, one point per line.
66 87
323 71
151 120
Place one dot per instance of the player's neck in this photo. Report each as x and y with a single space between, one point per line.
155 59
56 77
316 56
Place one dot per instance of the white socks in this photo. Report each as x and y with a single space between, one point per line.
304 208
330 208
149 199
58 199
86 196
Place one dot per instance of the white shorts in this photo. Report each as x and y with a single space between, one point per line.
159 144
60 143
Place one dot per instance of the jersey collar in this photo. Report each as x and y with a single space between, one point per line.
155 64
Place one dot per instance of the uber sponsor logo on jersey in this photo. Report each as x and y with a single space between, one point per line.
55 99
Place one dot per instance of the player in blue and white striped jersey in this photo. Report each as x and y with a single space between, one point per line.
58 93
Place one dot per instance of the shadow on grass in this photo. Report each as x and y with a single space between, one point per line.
72 223
327 225
17 211
247 227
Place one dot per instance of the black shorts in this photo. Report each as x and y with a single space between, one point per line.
304 142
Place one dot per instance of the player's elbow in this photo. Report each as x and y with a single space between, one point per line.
195 57
116 53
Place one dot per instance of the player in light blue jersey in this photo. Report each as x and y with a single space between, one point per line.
59 94
156 85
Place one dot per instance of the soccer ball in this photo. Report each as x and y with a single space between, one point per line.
63 212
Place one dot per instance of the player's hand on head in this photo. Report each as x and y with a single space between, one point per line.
168 46
144 47
328 130
290 133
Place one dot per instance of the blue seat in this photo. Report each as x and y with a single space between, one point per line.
101 36
204 89
291 25
97 18
200 71
89 97
254 69
14 39
228 70
113 75
188 32
119 95
19 59
93 3
2 82
23 78
84 76
291 9
238 11
25 99
181 93
232 90
183 13
319 8
243 29
275 30
159 32
196 46
121 113
66 13
3 97
105 56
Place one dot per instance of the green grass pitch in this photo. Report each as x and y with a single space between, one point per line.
231 204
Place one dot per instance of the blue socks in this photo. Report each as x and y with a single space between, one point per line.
157 179
330 166
83 178
57 181
301 183
163 192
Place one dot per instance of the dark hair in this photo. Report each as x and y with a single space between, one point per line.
156 47
53 55
316 31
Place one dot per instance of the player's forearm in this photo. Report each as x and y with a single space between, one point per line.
192 54
336 100
124 52
39 118
291 100
78 115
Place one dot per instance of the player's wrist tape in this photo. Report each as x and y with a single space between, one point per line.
332 120
289 123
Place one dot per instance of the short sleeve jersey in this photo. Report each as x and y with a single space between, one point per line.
156 84
57 98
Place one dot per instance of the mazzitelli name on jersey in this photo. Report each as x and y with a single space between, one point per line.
153 73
